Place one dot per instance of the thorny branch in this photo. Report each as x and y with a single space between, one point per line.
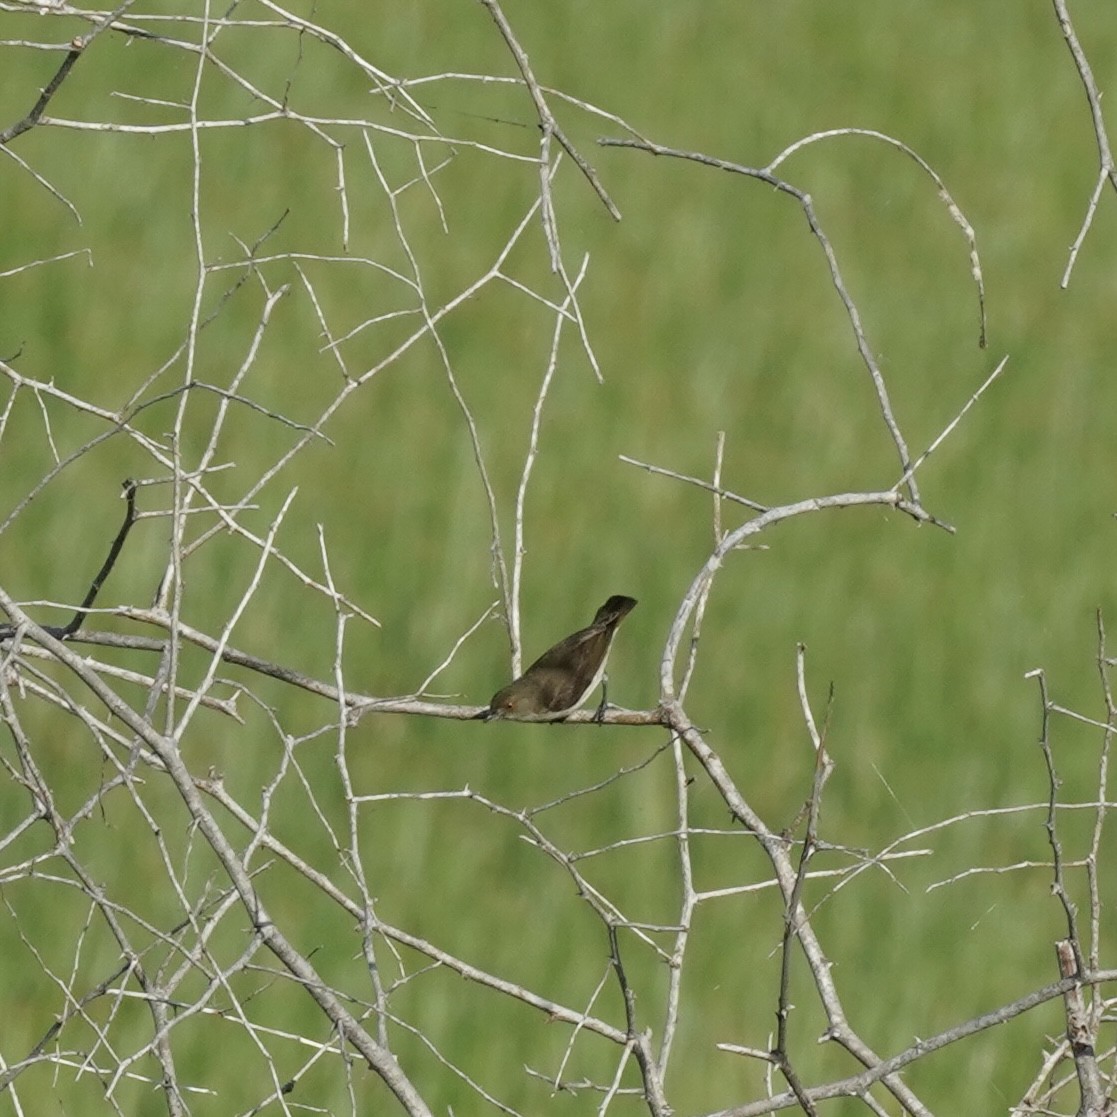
215 946
1107 170
67 630
767 176
78 46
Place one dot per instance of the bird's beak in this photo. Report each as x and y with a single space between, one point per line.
487 714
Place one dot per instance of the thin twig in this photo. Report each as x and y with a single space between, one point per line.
547 120
1107 171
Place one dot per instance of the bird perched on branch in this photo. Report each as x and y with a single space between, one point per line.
564 676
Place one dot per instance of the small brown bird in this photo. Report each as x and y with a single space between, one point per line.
564 676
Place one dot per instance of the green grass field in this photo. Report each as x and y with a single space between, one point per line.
710 309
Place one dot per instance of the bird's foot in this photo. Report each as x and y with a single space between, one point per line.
603 705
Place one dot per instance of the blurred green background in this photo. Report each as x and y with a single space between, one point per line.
710 309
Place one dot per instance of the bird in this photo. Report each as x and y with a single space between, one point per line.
564 676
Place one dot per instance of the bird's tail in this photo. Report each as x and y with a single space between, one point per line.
614 610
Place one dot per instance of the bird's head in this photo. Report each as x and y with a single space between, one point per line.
506 703
521 700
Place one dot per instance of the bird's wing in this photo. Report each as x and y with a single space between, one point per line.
558 655
558 689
